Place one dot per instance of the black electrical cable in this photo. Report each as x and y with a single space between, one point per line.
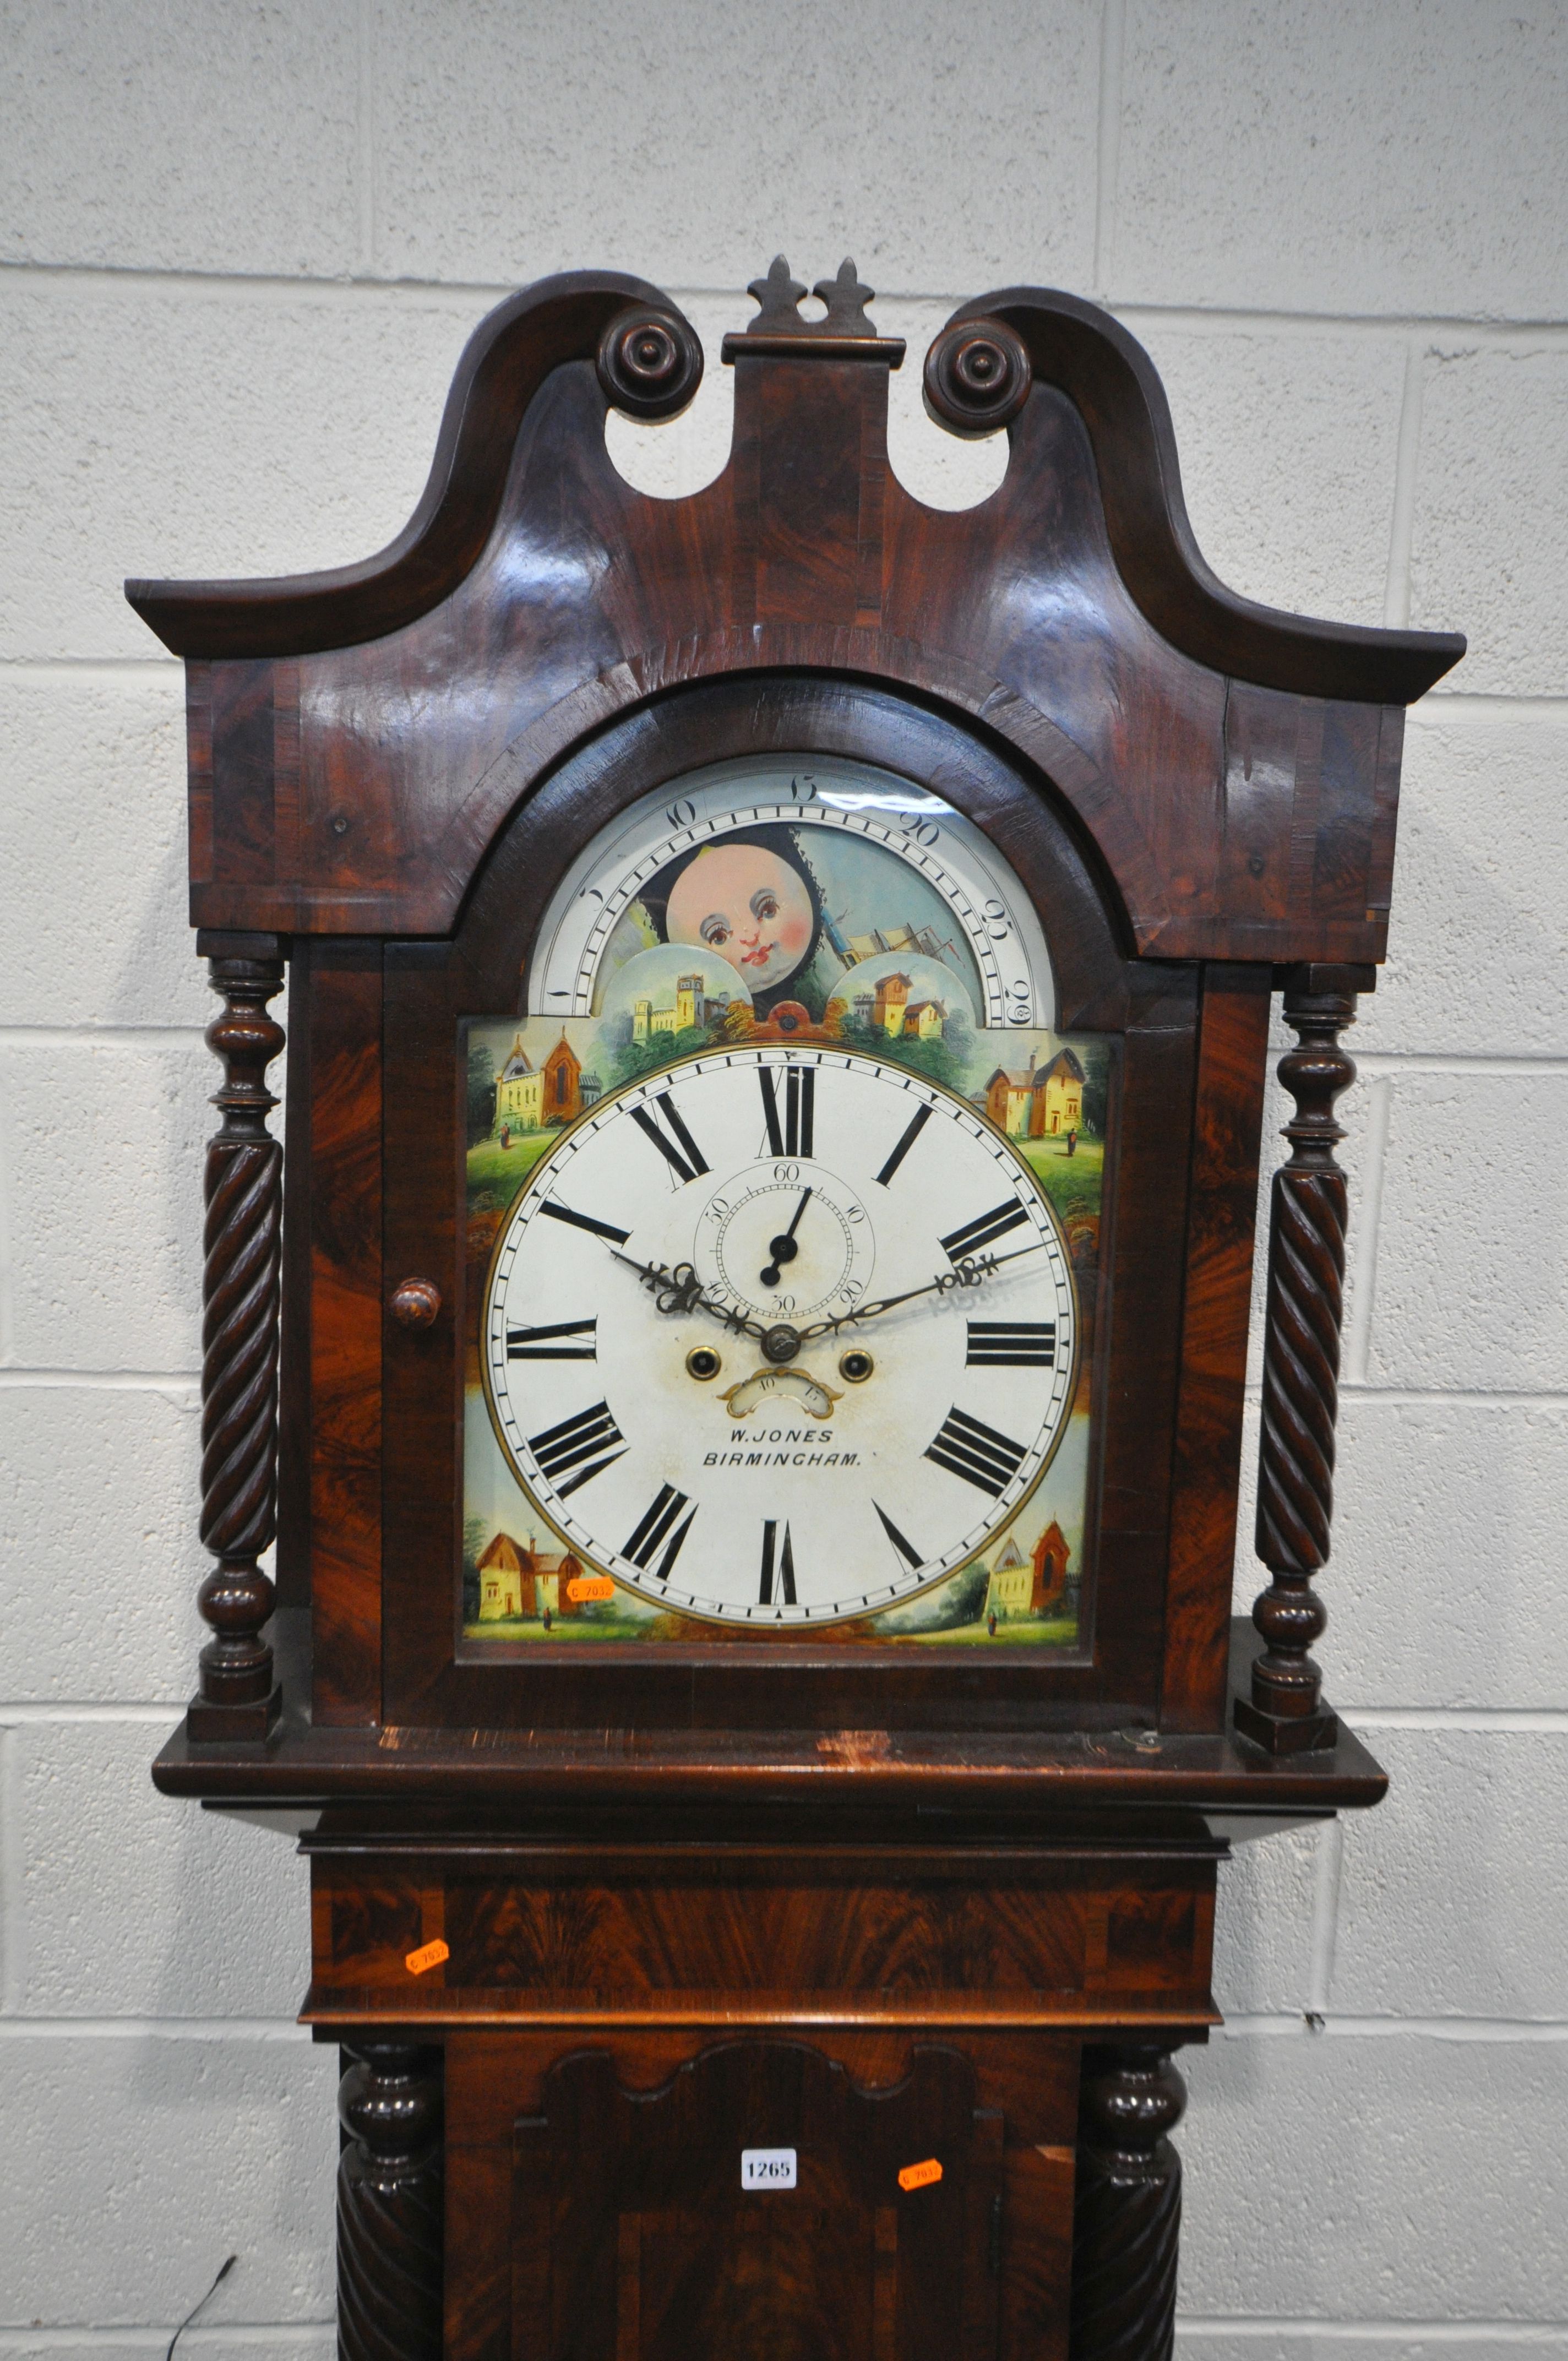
191 2315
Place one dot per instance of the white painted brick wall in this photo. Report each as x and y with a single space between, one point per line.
244 244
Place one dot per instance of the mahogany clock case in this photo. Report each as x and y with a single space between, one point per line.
656 1904
1150 1010
391 769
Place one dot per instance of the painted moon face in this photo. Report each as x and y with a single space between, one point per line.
747 904
899 872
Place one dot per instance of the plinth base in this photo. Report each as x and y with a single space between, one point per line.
1277 1734
207 1724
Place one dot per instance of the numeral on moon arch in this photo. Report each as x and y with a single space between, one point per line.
566 1340
967 1447
591 1435
985 1228
792 1129
680 1152
1012 1345
786 1568
651 1528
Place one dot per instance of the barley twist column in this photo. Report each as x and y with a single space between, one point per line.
389 2205
1300 1367
1126 2221
238 1696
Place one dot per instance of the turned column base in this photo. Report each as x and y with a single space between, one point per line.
1281 1733
207 1724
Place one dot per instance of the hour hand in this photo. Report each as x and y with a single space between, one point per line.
680 1291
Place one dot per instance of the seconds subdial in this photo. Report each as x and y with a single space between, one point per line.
786 1239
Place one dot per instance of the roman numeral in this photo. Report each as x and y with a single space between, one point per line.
587 1437
685 1157
555 1344
921 1117
906 1550
651 1528
985 1229
977 1453
785 1567
791 1134
1012 1345
585 1222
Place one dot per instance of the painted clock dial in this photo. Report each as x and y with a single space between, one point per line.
779 1336
798 871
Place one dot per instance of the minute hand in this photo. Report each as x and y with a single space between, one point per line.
941 1285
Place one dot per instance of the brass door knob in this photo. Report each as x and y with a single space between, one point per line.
416 1302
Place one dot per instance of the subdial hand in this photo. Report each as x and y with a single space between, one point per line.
973 1273
681 1291
784 1247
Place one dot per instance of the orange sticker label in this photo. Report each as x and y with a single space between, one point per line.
920 2176
590 1585
430 1955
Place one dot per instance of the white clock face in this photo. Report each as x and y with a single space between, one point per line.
780 1335
771 864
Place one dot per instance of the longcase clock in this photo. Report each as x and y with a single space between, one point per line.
742 1354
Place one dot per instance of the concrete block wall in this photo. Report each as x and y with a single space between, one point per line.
240 248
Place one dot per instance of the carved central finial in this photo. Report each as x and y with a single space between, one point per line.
777 330
780 297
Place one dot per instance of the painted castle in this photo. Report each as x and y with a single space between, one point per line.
693 1009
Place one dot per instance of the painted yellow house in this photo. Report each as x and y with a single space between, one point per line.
1012 1578
1028 1586
1037 1101
502 1581
518 1578
528 1097
890 1000
1059 1096
520 1093
1009 1098
891 1011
